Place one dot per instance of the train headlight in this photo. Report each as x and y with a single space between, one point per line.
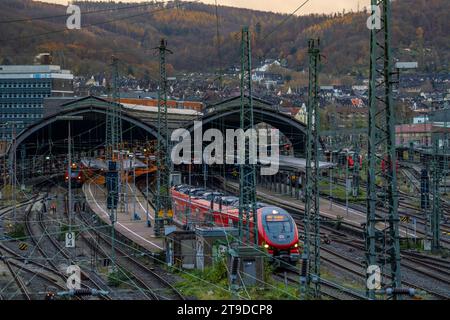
266 246
296 245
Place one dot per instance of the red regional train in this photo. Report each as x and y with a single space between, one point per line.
77 176
277 231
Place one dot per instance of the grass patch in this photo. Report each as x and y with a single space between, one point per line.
213 284
338 192
17 231
118 277
7 194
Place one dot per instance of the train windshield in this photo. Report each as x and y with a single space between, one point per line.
74 173
278 224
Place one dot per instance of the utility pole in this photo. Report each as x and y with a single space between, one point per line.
69 175
12 164
334 146
163 200
22 167
382 246
113 143
311 256
436 209
147 213
347 182
113 121
219 51
247 168
134 189
69 169
13 171
356 168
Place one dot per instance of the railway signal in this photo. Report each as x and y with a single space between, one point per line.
70 239
424 191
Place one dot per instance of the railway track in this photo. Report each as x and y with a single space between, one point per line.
328 288
405 208
17 279
30 226
38 245
436 269
356 268
66 255
7 209
154 286
48 281
414 177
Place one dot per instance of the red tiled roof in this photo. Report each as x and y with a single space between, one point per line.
414 128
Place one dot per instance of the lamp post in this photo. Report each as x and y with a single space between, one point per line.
132 164
346 182
147 213
331 179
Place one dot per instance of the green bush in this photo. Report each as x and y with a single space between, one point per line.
63 230
18 231
116 278
216 273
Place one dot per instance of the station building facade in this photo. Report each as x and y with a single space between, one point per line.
23 89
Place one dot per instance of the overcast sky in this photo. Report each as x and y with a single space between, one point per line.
284 6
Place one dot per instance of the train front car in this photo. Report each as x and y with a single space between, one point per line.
278 234
77 176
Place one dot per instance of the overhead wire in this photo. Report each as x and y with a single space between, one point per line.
97 23
84 13
285 20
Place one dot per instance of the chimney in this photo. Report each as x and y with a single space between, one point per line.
43 59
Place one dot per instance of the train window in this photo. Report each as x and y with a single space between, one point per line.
279 226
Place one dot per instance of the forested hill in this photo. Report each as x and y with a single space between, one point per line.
421 32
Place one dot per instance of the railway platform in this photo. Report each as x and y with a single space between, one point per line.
131 220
